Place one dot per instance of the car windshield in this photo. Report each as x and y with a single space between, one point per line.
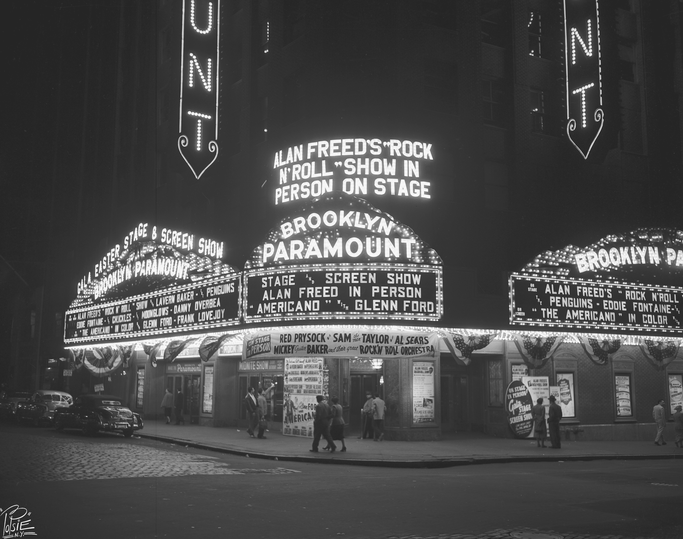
111 403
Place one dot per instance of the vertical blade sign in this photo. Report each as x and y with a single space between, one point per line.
199 92
583 64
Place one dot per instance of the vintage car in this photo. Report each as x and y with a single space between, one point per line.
8 403
93 413
40 407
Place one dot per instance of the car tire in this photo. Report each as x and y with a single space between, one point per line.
36 422
87 430
59 423
128 433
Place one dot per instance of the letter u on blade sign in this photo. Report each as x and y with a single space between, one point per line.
199 90
585 117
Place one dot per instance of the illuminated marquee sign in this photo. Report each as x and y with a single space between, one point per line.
355 166
149 253
341 229
209 305
199 90
574 303
343 292
585 117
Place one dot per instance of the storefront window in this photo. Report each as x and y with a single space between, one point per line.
207 392
622 386
565 383
675 391
496 382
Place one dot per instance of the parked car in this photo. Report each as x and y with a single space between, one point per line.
93 413
8 403
40 407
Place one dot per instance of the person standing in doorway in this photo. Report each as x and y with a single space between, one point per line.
366 417
167 405
659 415
538 413
378 412
554 417
321 425
178 403
251 404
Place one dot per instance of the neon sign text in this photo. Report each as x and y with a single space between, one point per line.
614 257
585 117
356 166
199 91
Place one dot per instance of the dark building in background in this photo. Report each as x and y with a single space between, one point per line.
483 83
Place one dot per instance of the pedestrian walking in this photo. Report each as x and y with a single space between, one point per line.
366 417
321 425
262 403
178 403
167 405
659 415
250 403
538 414
378 413
554 417
337 426
678 425
262 421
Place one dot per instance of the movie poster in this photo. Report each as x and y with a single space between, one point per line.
423 392
304 379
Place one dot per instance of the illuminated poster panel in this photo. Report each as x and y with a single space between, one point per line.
199 90
583 64
575 303
622 387
675 391
209 305
362 167
424 410
400 292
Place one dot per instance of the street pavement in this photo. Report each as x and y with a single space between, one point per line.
453 450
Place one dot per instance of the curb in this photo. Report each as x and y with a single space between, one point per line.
434 463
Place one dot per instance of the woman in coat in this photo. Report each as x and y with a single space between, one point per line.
538 414
337 426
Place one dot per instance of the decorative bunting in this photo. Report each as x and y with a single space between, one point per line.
536 351
210 345
599 350
659 353
75 359
152 351
126 351
102 362
175 347
462 346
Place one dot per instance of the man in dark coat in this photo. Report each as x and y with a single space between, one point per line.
251 404
554 416
321 425
178 404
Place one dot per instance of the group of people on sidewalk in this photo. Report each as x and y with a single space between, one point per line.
257 408
373 412
169 402
554 417
659 415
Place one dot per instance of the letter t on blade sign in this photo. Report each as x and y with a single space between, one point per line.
199 90
585 117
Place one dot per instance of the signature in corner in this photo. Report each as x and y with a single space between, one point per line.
15 522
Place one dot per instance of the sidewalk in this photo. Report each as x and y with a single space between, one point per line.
454 450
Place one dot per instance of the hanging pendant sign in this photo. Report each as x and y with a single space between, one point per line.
199 91
585 117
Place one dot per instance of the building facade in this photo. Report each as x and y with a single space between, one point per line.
370 196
